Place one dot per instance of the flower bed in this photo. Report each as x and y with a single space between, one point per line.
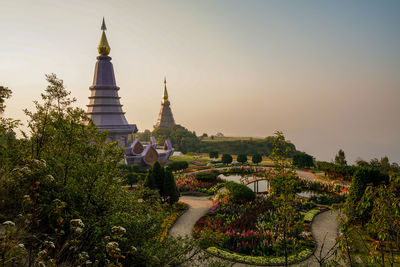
177 210
248 232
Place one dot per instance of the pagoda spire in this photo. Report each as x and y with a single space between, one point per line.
103 48
165 97
105 109
165 117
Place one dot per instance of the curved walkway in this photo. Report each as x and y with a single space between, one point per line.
323 224
198 206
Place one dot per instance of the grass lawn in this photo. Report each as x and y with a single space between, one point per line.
192 157
227 138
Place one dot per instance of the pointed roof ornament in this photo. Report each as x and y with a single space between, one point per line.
103 48
103 25
165 97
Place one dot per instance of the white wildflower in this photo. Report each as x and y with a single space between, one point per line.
112 246
83 256
21 245
118 230
49 178
9 223
77 223
49 244
42 253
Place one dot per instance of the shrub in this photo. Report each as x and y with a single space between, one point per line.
256 158
226 158
242 158
213 154
303 160
178 165
239 192
206 176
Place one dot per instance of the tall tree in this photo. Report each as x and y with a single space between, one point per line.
340 158
284 184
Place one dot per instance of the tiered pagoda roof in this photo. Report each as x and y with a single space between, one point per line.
104 107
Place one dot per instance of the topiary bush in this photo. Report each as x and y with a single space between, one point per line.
178 165
240 192
207 176
227 159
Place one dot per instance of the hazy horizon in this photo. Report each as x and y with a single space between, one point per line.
326 73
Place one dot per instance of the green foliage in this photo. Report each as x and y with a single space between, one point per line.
303 160
170 190
213 154
5 93
240 192
181 138
226 159
256 158
207 176
239 146
362 177
340 158
178 165
335 171
144 136
383 164
242 158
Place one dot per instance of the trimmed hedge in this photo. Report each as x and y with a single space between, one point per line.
240 192
207 176
309 215
178 165
259 260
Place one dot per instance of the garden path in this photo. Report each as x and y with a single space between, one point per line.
198 206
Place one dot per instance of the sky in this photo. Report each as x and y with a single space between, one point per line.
326 73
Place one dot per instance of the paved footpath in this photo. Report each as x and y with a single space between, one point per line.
198 206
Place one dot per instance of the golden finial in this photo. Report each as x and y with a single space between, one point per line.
165 97
103 48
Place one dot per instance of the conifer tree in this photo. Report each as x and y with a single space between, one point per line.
170 190
158 174
149 180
